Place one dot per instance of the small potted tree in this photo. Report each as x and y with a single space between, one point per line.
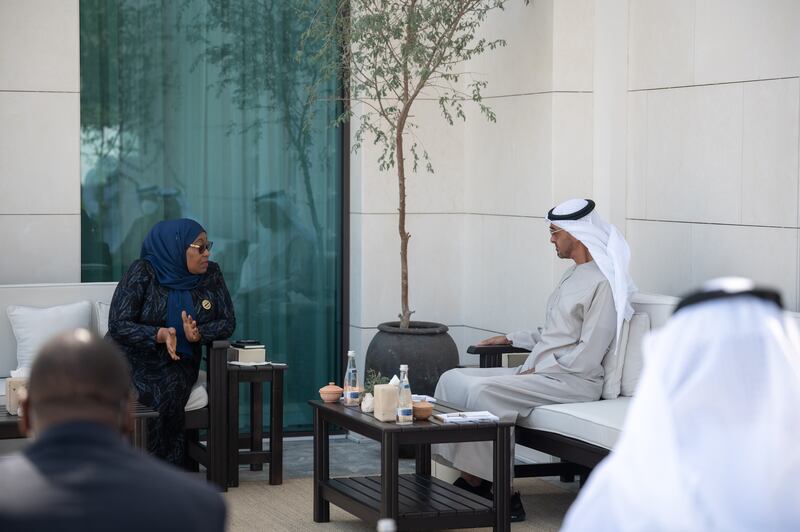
392 53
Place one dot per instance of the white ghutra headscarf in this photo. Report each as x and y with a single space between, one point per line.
711 440
608 247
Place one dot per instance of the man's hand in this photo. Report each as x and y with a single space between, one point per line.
168 335
190 327
496 340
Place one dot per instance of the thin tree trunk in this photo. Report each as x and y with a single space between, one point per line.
405 315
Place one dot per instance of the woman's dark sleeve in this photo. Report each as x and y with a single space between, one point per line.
222 327
126 307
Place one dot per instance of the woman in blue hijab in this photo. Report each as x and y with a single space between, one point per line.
170 302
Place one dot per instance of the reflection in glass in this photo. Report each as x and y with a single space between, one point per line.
200 109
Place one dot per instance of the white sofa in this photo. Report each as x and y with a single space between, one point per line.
50 295
600 422
582 434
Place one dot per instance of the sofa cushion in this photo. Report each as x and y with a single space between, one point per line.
33 326
596 422
612 365
632 368
101 317
198 398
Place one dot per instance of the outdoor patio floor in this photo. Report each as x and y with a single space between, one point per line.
255 505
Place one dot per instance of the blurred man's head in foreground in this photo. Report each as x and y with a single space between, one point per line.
78 376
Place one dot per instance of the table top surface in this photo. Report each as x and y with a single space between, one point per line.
355 414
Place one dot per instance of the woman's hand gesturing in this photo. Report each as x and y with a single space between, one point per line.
190 327
167 335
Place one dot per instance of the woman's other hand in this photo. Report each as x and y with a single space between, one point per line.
167 335
190 327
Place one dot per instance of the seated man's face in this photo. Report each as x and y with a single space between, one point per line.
564 242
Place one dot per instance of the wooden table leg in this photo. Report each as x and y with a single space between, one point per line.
233 428
389 475
423 454
140 433
502 478
276 429
256 421
217 439
322 508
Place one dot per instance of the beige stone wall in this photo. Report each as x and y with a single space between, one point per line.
39 141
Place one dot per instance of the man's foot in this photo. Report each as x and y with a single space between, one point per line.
484 489
516 510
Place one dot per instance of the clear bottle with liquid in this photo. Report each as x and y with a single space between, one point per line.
404 407
352 386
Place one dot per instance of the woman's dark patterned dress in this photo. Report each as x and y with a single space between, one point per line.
138 310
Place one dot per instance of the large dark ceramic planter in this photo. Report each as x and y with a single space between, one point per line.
426 347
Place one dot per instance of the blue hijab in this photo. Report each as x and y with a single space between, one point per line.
164 248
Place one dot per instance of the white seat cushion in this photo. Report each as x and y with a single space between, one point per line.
612 364
596 422
199 396
632 369
101 310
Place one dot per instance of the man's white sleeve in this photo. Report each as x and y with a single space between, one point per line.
525 339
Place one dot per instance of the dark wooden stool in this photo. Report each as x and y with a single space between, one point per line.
256 456
141 414
9 425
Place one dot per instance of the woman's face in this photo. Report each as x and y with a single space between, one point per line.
197 262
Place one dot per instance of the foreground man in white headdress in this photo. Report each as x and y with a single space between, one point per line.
711 438
584 315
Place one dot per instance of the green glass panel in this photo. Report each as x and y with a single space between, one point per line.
199 109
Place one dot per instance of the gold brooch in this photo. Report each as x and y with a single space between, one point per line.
206 304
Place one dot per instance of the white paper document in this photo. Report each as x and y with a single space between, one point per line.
467 417
240 363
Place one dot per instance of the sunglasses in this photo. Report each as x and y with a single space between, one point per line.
201 248
554 231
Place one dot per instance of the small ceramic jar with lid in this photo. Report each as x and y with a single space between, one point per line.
330 393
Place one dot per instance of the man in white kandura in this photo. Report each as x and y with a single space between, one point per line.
584 315
710 441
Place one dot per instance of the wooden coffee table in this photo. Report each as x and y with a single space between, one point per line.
415 501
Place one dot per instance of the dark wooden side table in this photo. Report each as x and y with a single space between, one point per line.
416 501
256 455
141 414
9 425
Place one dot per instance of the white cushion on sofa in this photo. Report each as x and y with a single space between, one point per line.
632 368
596 422
612 366
199 396
101 317
33 326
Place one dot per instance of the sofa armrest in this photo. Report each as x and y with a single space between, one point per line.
492 355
